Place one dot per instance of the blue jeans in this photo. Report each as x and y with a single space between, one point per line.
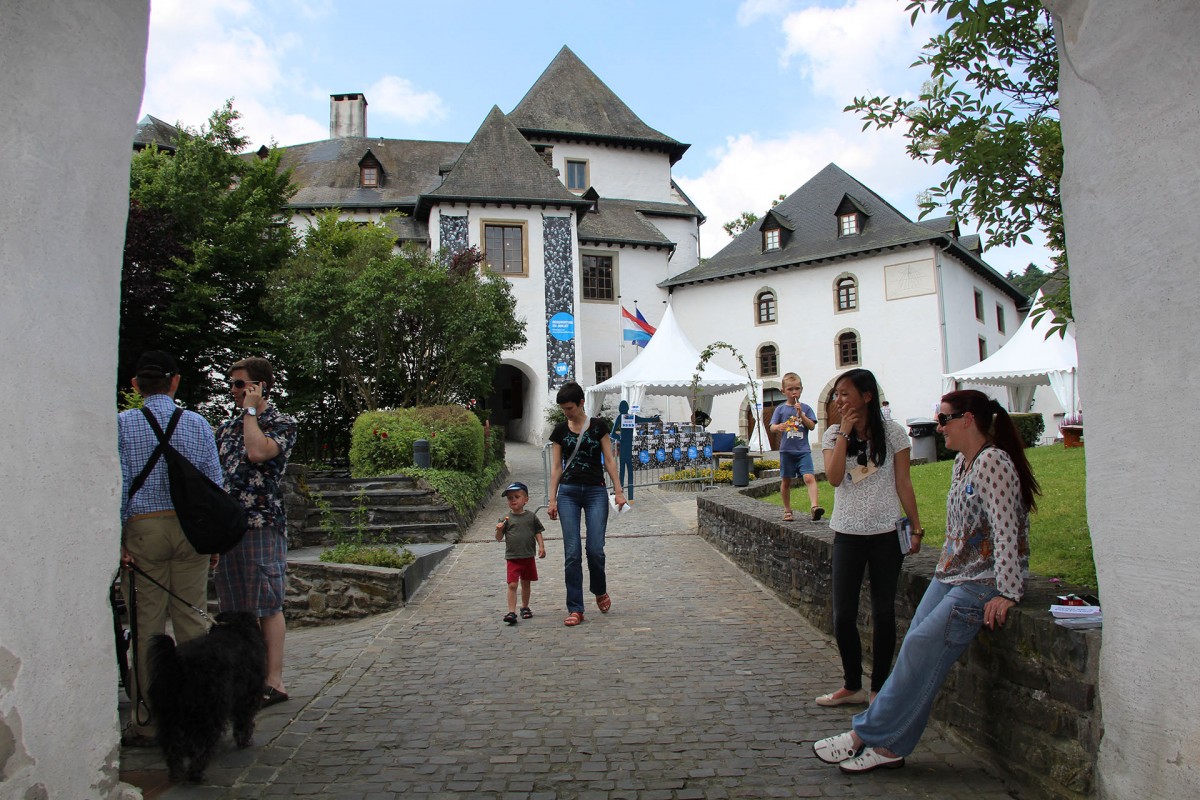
943 626
577 503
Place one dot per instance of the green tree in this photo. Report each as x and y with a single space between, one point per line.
1029 281
205 229
369 328
990 111
746 220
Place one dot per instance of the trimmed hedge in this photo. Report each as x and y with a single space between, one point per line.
1030 426
381 442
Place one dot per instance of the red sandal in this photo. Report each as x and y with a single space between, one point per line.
573 619
603 602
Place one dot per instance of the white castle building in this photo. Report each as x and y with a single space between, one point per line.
570 196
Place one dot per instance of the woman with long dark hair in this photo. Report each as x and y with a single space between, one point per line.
866 460
980 576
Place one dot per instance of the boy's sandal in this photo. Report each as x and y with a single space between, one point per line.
511 618
787 516
526 613
603 602
817 513
573 619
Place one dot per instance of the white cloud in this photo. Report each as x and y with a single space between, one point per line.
396 97
864 45
751 171
751 11
201 54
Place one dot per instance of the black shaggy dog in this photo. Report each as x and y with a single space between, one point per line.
199 687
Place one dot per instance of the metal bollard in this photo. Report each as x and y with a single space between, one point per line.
741 466
421 458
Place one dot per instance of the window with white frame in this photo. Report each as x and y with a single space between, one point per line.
848 224
771 239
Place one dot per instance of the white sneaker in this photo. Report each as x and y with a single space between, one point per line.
854 698
870 759
836 749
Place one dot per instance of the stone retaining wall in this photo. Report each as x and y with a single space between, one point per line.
320 593
1026 694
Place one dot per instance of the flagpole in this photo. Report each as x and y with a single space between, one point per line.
620 336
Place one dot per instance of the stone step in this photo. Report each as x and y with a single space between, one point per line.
372 498
354 485
428 512
396 533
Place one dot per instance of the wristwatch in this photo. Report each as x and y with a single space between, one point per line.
252 411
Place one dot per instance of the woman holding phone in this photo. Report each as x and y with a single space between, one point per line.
866 460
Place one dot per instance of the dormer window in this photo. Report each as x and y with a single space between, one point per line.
848 224
370 172
771 239
851 216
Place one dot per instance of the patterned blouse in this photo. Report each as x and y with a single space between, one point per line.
258 486
987 526
871 505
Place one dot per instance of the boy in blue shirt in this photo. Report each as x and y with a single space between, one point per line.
794 420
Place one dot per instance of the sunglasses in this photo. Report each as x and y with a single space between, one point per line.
241 384
944 418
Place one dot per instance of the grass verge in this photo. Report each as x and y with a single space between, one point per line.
1060 544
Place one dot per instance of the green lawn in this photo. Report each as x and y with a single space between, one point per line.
1060 546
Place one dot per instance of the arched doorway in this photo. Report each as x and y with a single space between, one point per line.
507 400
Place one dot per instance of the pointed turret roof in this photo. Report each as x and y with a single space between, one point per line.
569 100
499 165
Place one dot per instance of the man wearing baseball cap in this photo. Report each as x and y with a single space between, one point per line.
151 537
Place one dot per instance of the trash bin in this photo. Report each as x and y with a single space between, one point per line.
741 465
421 459
924 443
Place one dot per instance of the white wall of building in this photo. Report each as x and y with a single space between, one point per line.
618 172
1130 102
75 71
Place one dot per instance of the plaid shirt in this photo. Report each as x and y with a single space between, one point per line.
258 486
136 440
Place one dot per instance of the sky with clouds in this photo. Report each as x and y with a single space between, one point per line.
757 88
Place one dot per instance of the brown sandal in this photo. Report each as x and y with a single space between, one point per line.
787 516
573 619
603 602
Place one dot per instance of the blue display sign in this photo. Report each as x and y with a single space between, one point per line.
561 368
644 456
692 452
676 454
661 455
562 326
707 451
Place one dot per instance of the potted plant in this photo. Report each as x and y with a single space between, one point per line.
1071 428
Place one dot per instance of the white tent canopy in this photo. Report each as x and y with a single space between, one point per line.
665 368
1027 360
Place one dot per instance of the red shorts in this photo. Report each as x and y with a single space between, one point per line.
522 568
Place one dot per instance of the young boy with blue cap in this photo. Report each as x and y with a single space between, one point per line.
520 531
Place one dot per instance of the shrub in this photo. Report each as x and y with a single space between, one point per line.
369 555
723 475
1030 426
464 491
381 442
494 449
761 464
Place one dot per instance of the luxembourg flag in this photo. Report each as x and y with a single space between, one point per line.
636 329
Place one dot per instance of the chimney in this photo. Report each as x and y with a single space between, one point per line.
347 115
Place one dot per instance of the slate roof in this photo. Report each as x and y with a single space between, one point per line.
621 222
570 101
815 238
152 130
499 165
327 172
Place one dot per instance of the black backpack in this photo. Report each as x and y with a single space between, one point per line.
212 520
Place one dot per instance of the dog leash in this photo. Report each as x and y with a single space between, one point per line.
135 568
139 702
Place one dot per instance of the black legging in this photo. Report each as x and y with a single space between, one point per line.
852 555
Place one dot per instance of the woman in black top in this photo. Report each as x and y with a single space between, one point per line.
582 453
